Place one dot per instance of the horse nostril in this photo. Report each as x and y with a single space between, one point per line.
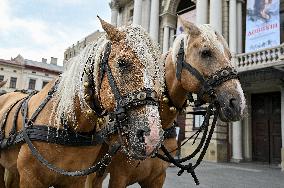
146 131
143 132
233 103
140 135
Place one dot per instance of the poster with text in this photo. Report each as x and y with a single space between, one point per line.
189 16
262 24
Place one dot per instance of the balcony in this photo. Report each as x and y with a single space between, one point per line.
270 57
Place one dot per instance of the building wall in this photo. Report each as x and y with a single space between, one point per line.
76 48
12 71
23 73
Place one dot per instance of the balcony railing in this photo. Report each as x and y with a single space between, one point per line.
261 59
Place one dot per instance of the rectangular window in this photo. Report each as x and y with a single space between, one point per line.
13 82
130 15
198 120
33 72
44 83
46 74
1 78
32 84
198 117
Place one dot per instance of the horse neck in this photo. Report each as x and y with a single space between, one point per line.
176 93
85 122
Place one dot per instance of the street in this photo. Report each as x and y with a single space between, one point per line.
226 175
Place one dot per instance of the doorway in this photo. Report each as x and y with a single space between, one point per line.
266 127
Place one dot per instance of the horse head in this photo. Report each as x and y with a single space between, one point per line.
202 56
138 78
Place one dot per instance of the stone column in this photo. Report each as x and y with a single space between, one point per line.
233 26
201 11
172 36
137 18
146 14
247 130
154 20
216 15
114 12
239 26
237 142
166 39
282 127
120 19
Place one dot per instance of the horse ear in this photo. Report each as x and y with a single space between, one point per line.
113 33
189 27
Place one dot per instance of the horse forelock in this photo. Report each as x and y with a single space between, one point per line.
71 82
148 52
211 38
176 45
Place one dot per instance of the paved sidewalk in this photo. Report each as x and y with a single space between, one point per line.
226 175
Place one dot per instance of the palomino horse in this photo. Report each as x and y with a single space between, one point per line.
120 74
207 53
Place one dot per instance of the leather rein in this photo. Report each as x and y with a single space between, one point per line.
66 136
208 86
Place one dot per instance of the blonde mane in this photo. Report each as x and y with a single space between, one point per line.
149 54
176 45
70 85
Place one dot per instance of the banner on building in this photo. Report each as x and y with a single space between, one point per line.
188 16
262 24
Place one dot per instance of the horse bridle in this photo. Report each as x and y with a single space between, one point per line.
208 84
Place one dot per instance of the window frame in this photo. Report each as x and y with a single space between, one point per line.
44 83
32 79
198 111
1 77
13 80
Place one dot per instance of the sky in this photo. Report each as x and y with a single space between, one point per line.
39 29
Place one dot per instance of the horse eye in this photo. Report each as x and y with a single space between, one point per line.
206 53
123 64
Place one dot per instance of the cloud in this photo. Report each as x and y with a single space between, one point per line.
35 37
4 14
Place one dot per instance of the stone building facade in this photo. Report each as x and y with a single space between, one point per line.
26 74
260 135
73 50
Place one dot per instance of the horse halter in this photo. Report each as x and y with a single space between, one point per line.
209 84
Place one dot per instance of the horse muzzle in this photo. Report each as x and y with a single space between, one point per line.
145 135
230 107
